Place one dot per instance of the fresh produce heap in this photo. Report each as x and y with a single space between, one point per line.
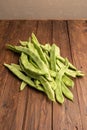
43 68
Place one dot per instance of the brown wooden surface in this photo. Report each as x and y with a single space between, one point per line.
30 109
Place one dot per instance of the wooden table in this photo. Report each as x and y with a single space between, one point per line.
30 109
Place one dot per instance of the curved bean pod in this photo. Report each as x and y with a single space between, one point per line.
67 92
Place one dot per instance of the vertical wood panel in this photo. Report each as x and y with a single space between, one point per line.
78 41
66 116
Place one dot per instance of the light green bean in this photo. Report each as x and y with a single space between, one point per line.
47 88
53 58
58 91
39 49
23 85
67 92
20 75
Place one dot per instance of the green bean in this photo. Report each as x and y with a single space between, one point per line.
30 74
72 73
22 67
53 84
60 64
46 47
31 47
39 49
52 73
58 91
48 60
16 66
67 92
68 81
33 63
47 57
59 75
20 75
38 85
79 73
47 88
57 50
23 43
13 48
34 39
23 85
34 50
57 67
53 58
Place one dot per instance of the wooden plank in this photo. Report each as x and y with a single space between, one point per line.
78 42
5 103
66 116
3 28
13 102
38 112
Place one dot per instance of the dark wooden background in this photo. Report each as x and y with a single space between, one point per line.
30 109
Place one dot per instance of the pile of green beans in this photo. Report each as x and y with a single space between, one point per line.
43 68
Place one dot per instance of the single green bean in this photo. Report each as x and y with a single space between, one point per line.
39 49
67 92
34 50
23 85
34 39
59 75
58 91
53 58
68 81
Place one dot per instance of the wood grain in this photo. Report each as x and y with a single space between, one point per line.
78 42
63 114
30 109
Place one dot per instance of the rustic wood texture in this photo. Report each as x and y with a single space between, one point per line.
30 109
